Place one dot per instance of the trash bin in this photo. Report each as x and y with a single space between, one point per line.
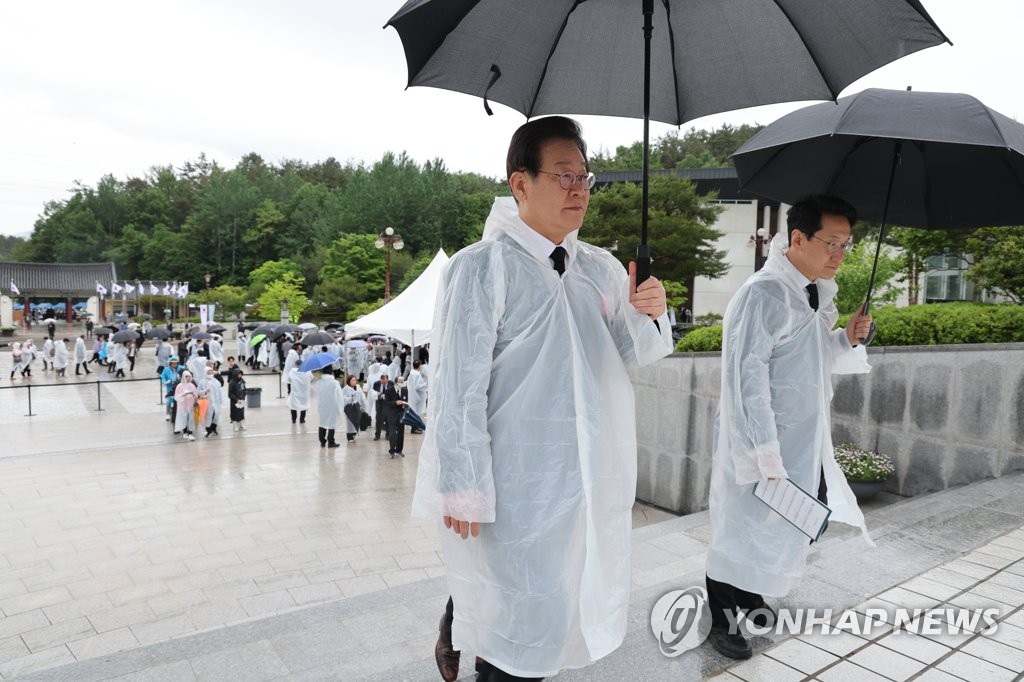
252 397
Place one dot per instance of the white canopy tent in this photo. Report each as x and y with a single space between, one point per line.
409 316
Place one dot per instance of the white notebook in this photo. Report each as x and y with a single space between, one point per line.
794 504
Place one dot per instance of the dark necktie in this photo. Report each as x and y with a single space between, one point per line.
812 291
558 256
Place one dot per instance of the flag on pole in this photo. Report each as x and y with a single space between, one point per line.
100 289
153 290
115 288
128 288
14 288
167 289
183 290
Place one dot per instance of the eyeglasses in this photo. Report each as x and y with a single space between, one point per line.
568 179
833 245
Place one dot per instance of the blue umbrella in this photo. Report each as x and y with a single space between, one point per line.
318 361
410 417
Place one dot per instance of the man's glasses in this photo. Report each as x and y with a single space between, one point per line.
568 179
834 246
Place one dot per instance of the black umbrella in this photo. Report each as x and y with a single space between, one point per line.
158 333
104 331
264 328
199 336
698 58
284 328
216 329
930 160
125 336
317 339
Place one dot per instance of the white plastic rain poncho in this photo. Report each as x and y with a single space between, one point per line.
298 399
774 419
328 401
212 390
79 350
534 434
418 391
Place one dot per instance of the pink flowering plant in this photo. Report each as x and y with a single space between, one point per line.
858 464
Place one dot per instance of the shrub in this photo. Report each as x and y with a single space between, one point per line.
701 339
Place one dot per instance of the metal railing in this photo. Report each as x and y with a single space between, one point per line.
27 387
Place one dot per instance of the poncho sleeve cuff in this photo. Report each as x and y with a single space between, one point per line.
469 505
764 463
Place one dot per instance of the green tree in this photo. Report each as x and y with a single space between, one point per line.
997 255
355 255
287 288
681 238
855 272
229 299
336 296
917 246
365 308
273 271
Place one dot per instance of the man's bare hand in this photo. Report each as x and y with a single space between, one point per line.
649 297
858 327
463 528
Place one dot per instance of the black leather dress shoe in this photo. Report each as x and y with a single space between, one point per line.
761 615
730 645
446 657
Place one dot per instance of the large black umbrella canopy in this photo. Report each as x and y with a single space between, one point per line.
930 160
124 336
670 61
317 339
158 333
958 163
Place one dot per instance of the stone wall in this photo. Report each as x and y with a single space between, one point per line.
948 415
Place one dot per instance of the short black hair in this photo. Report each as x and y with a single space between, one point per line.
805 214
524 148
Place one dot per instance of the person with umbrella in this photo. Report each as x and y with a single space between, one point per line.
328 405
531 463
778 355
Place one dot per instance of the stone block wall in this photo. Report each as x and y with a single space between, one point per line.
948 415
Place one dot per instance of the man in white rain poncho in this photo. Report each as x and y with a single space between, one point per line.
778 354
531 460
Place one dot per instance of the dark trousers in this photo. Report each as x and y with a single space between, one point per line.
724 598
326 436
300 414
396 431
380 420
485 672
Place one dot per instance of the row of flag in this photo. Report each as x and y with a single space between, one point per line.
169 289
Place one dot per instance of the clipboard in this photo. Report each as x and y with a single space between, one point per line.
803 510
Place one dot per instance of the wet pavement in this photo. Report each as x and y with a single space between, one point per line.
126 553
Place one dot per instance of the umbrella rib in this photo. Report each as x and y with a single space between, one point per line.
672 57
554 44
810 52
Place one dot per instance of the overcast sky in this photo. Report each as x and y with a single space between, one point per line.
118 86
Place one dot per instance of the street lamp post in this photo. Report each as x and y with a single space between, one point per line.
387 240
209 317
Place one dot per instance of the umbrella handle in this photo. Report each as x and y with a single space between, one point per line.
643 263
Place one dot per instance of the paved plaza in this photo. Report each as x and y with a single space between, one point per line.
128 554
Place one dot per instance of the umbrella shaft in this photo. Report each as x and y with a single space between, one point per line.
643 260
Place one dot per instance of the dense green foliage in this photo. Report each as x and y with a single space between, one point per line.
694 149
701 339
680 230
855 273
998 260
920 325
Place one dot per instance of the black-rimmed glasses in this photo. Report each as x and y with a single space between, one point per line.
834 246
568 179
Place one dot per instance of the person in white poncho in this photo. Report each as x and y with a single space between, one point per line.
778 354
531 459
